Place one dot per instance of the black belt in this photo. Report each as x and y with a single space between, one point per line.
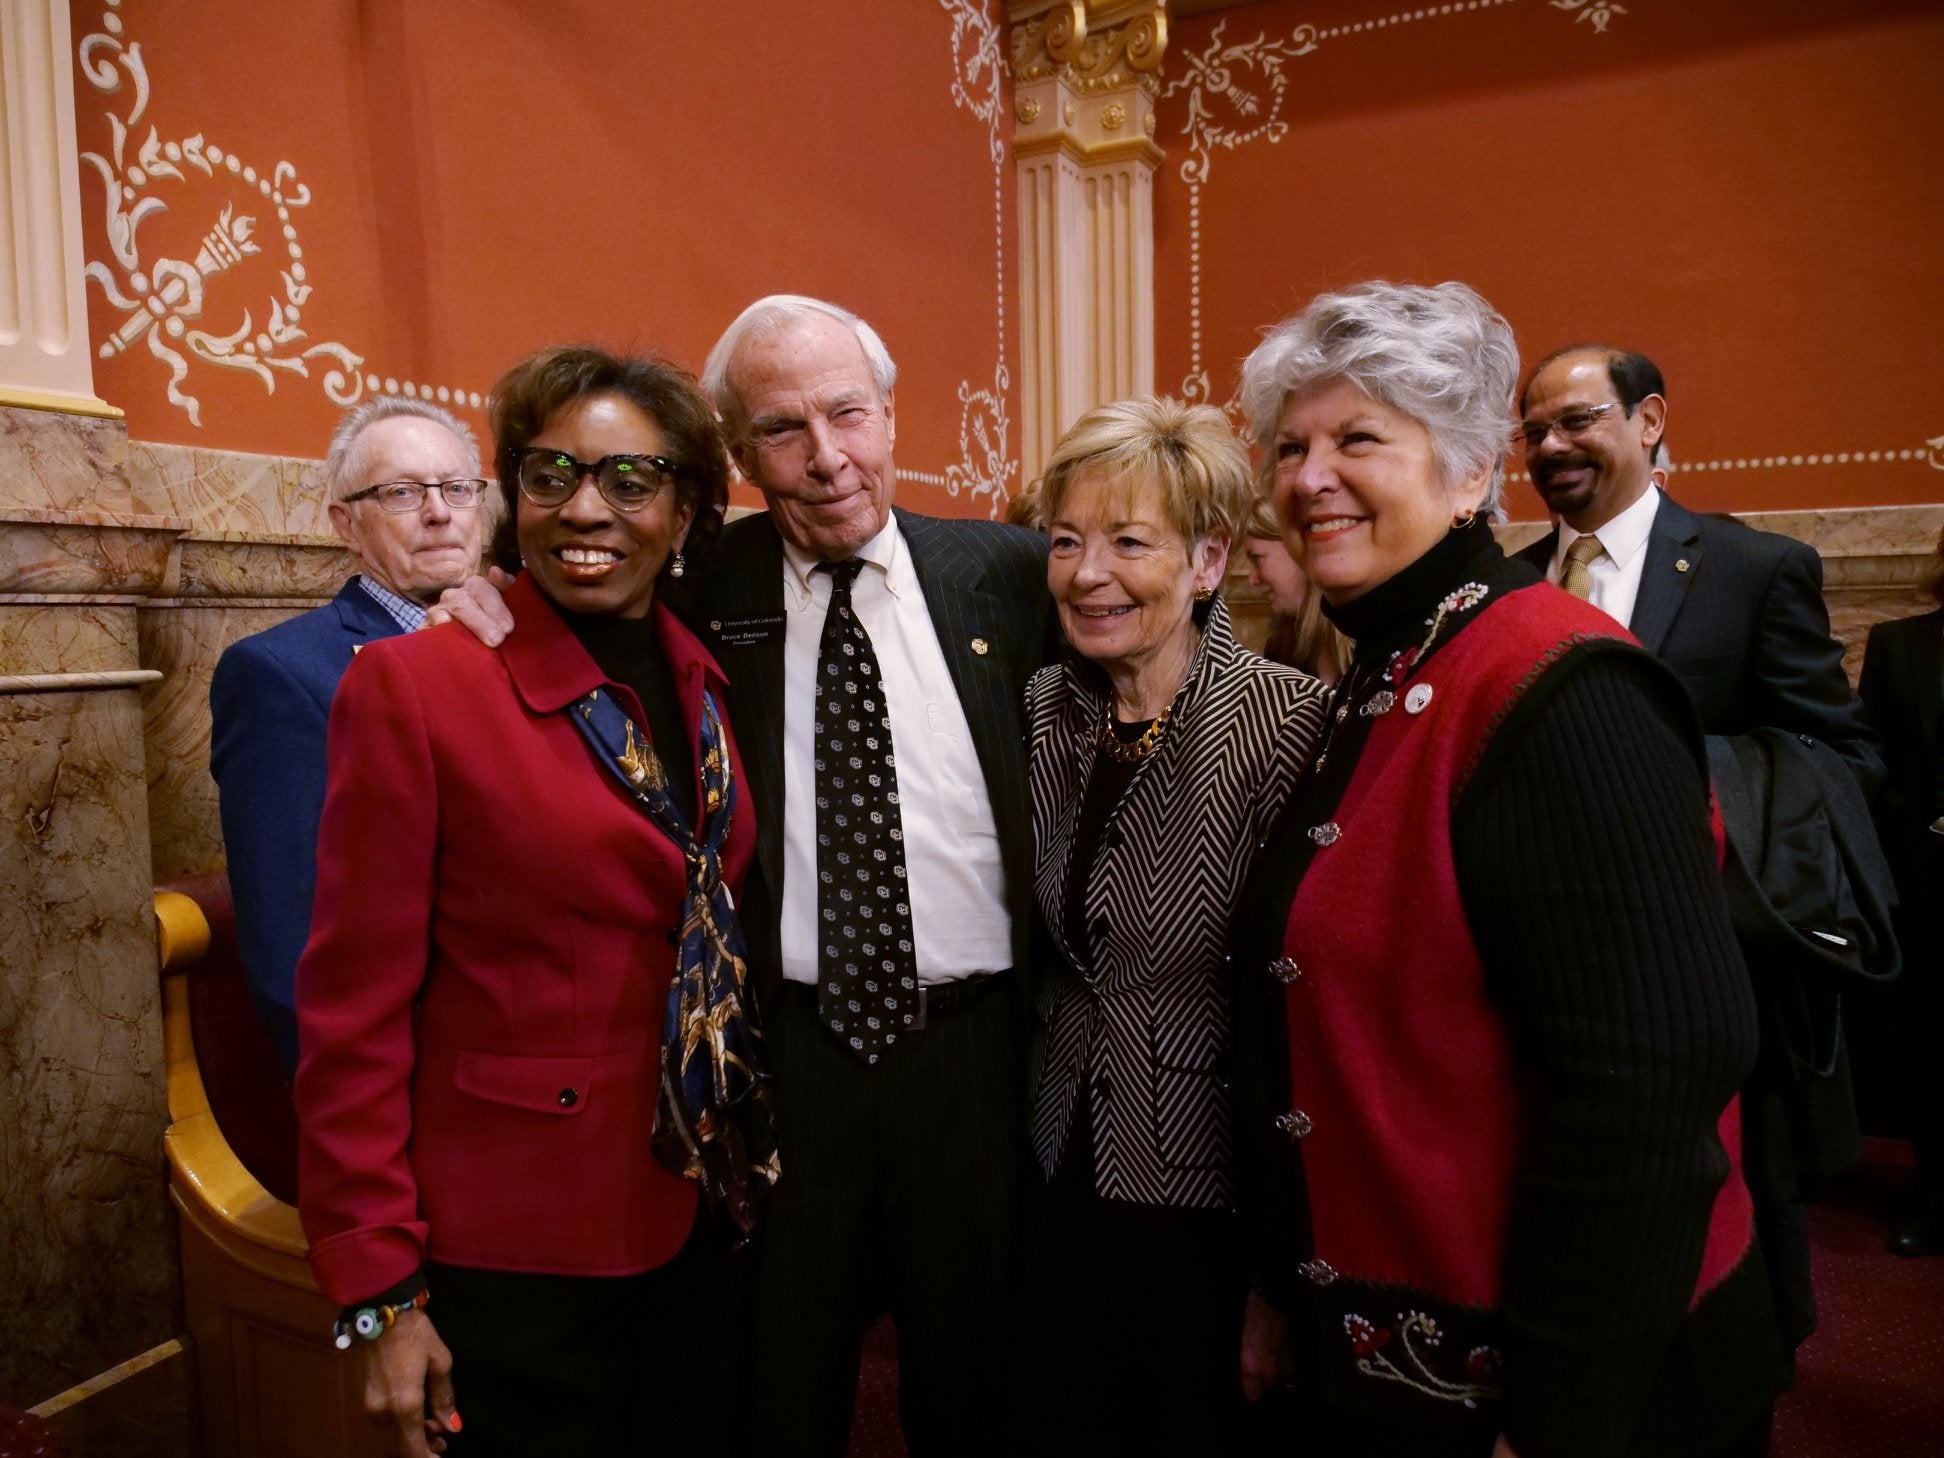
936 1000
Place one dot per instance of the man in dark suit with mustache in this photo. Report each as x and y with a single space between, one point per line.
1738 614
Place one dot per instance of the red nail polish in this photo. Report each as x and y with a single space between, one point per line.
453 1423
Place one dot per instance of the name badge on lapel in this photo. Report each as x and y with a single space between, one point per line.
747 632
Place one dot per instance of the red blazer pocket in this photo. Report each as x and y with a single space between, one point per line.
542 1085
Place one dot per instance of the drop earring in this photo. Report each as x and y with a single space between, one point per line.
677 567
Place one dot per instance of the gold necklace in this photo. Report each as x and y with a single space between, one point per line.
1126 751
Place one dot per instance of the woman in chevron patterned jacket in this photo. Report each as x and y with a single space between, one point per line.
1493 1012
1161 754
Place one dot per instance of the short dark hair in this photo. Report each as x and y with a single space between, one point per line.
1633 376
529 394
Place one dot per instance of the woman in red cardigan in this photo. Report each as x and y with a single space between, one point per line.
1486 1131
523 1042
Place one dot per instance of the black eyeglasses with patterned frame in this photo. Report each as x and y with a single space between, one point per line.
627 481
403 496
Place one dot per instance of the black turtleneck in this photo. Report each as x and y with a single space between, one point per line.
629 652
1590 888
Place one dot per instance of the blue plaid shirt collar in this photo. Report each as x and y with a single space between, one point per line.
409 615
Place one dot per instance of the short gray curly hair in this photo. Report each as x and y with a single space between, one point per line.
1441 355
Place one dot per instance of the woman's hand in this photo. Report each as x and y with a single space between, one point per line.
1265 1348
478 606
408 1374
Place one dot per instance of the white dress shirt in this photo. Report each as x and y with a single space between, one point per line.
951 841
1615 573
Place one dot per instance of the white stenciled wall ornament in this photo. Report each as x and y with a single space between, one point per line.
986 466
160 297
1235 95
1597 11
255 212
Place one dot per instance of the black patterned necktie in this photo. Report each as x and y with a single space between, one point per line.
867 972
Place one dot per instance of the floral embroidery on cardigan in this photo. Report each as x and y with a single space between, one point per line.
1416 1334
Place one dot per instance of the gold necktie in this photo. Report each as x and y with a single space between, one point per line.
1577 579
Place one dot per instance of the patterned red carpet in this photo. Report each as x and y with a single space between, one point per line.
1869 1383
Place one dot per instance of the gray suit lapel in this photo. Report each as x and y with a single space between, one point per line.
1673 562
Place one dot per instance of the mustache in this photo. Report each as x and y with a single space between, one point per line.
1544 470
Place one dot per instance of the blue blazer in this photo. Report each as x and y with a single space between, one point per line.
269 707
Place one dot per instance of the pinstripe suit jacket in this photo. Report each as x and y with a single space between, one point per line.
981 580
1141 1010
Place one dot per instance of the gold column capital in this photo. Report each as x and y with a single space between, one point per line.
1092 45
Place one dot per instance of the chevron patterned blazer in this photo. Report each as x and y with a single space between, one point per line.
1140 1009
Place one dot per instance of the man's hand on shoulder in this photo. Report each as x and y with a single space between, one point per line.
478 605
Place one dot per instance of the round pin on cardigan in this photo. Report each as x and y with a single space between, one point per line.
1682 565
979 646
1417 698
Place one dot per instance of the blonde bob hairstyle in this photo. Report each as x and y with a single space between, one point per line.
1187 453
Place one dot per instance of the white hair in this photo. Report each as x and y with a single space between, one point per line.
338 460
1442 356
771 316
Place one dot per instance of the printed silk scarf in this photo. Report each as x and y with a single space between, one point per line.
714 1122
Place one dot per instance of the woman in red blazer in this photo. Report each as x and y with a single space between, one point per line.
523 1039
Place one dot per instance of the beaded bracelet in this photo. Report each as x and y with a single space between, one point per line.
368 1323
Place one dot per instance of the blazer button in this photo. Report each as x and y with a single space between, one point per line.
1103 1089
568 1098
1295 1124
1098 928
674 935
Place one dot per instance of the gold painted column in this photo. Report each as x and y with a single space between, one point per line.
1085 74
45 360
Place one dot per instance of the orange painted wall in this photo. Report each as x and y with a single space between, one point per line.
471 179
1749 191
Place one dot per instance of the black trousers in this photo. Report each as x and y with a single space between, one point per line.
1129 1323
899 1190
548 1365
1291 1428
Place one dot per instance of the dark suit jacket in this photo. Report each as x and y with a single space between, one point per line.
1903 693
981 580
269 703
483 994
1738 615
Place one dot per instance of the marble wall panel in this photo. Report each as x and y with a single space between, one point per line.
230 491
184 641
63 462
87 1259
231 565
74 638
55 552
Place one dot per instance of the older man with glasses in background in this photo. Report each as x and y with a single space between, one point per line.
406 496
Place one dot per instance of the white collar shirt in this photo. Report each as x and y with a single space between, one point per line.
1615 573
951 841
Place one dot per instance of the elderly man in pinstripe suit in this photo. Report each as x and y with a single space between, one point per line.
877 662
